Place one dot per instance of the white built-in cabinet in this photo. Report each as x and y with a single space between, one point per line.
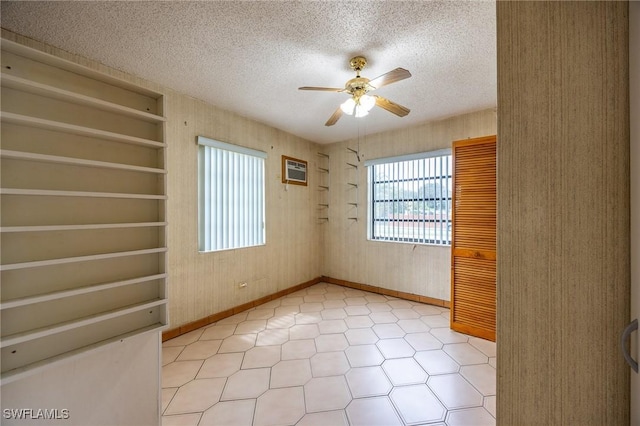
83 210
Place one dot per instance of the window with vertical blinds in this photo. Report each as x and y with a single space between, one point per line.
410 198
231 200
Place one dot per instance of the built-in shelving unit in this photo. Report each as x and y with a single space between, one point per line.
352 165
324 168
83 220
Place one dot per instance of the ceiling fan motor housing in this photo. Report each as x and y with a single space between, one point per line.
357 86
358 63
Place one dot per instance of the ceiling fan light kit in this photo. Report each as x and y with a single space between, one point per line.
360 102
359 107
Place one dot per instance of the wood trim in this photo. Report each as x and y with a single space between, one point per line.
194 325
387 292
186 328
476 141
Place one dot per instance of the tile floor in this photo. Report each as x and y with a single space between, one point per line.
329 356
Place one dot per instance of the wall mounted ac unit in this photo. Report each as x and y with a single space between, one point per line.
294 171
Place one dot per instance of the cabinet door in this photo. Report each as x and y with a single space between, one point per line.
473 256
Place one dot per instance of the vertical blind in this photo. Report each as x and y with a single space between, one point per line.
410 198
230 196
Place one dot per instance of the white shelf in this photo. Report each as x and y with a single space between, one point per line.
48 228
18 338
324 179
35 88
46 58
88 194
353 212
24 301
61 261
29 156
24 120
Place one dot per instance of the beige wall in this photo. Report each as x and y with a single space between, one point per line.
563 213
417 269
201 284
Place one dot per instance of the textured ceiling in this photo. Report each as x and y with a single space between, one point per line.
250 57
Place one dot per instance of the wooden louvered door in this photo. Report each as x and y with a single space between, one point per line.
473 256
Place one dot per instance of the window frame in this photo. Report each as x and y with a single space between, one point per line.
205 242
440 238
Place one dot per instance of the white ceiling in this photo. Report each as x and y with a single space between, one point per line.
250 57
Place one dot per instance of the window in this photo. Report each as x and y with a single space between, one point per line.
410 198
230 196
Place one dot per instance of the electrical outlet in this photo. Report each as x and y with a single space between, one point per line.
242 285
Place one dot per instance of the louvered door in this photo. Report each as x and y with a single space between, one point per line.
473 257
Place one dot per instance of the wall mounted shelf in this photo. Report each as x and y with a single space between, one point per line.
29 156
324 184
352 179
32 87
56 193
23 301
49 228
77 259
8 117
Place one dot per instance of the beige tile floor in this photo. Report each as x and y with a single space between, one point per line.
330 356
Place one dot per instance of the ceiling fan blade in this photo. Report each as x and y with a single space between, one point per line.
390 77
392 107
323 89
334 117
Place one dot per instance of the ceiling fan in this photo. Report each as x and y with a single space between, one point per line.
360 102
